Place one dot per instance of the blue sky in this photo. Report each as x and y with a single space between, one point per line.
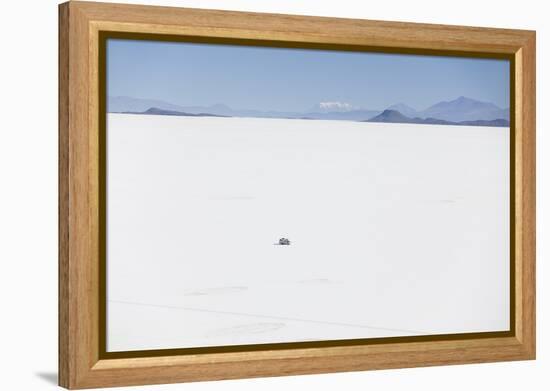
245 77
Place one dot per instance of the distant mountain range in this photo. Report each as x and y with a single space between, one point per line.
457 111
394 116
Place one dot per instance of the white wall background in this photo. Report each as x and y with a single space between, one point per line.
28 195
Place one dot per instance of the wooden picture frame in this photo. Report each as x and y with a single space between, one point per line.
83 362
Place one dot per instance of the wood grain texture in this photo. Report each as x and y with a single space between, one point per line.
78 282
171 20
526 186
79 166
63 200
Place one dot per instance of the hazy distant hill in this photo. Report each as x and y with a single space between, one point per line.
157 111
353 115
464 109
493 122
394 116
125 104
404 109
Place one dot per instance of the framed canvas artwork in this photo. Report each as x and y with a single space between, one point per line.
251 195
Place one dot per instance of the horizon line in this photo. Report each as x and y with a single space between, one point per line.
305 111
